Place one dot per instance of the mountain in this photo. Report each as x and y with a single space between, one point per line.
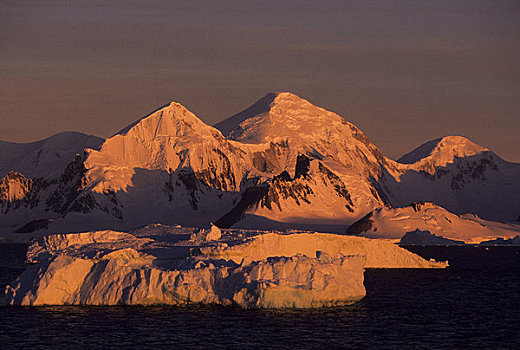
440 152
39 177
170 139
184 171
46 157
281 163
460 176
296 126
321 166
170 163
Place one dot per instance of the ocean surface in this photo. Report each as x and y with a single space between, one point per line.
473 304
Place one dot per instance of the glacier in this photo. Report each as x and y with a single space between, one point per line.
160 264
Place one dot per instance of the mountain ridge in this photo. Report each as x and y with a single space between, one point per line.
283 160
44 157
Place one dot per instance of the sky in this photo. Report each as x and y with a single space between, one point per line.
404 72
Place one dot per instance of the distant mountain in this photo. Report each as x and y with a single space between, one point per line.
38 179
282 162
460 176
46 157
440 152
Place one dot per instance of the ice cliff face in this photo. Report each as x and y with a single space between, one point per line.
165 265
272 283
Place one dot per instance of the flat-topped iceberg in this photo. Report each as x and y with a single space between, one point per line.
379 253
172 265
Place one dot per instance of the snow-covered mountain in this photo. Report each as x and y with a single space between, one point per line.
171 163
460 176
29 168
40 177
44 158
321 167
184 171
282 161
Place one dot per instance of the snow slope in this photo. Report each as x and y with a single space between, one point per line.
164 265
46 157
394 223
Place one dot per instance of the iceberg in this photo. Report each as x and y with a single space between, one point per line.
164 265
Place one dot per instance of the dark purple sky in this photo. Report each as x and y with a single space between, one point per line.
405 72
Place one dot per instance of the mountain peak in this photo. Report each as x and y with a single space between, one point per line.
172 119
261 106
165 139
279 115
284 96
443 149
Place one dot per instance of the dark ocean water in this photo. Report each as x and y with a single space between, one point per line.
473 304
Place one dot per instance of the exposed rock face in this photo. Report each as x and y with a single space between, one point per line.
15 190
249 200
361 226
67 195
14 187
